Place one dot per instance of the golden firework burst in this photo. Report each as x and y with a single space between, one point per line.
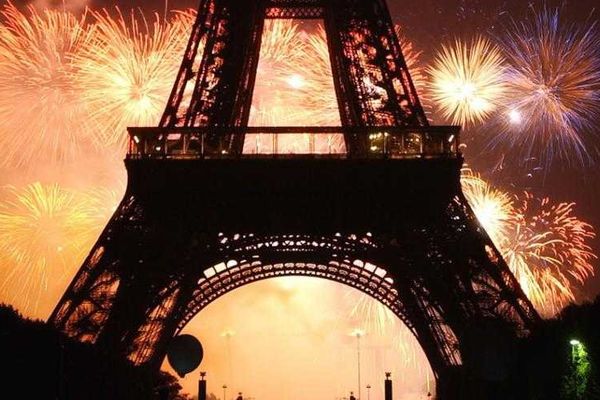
45 232
126 74
467 80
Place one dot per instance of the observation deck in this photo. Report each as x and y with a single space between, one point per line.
404 174
385 142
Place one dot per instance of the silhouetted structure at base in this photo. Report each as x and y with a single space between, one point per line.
387 217
388 390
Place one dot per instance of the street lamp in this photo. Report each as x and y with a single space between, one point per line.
368 392
574 345
227 334
224 392
358 333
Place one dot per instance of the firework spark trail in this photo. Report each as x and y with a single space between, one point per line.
553 86
102 202
544 244
377 319
413 59
319 92
376 316
467 81
41 113
45 232
493 208
127 72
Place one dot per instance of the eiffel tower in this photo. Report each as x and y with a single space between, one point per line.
202 217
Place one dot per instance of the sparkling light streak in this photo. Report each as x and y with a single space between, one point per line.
493 208
294 85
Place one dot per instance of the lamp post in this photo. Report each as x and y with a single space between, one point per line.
224 392
574 344
358 333
368 392
227 334
427 383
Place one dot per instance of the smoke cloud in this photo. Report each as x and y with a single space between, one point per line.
68 5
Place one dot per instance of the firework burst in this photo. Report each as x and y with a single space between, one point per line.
45 232
548 251
41 114
466 81
127 72
553 86
544 244
493 208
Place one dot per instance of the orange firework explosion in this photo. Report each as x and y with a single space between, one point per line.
40 110
126 74
376 316
544 244
377 319
548 251
45 232
292 66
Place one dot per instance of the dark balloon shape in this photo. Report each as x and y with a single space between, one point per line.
184 354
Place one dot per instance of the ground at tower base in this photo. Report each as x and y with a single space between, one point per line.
559 361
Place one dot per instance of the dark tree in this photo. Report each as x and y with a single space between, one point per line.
170 387
561 359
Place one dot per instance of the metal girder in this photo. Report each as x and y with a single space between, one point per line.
294 13
214 87
437 276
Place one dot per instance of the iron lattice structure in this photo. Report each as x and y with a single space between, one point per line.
200 218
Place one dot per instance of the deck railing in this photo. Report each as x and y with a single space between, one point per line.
262 142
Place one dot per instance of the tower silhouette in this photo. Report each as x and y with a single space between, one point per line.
200 217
